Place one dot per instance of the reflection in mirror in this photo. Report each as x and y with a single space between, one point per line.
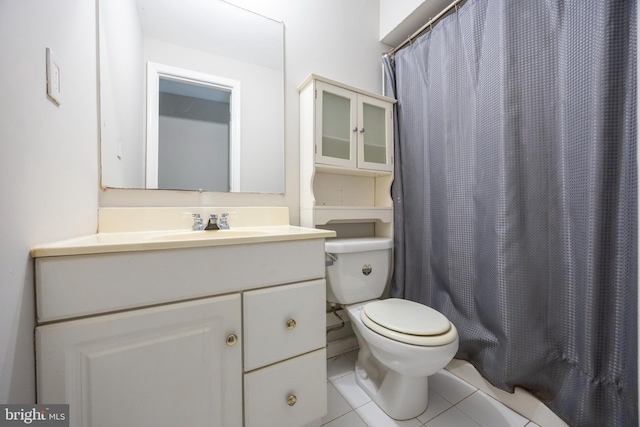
193 130
199 37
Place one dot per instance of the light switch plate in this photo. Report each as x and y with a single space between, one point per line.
54 89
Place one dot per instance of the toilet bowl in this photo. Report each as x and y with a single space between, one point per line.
401 342
393 373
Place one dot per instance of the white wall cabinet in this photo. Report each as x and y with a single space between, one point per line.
183 354
346 155
352 130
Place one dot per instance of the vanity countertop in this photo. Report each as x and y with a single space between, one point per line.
146 229
174 239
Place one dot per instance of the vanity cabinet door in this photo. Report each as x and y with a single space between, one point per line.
172 365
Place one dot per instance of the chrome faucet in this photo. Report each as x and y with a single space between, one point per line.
213 223
197 222
224 221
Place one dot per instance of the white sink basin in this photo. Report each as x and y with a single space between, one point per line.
205 235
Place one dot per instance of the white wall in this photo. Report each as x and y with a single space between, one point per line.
48 161
393 12
399 19
337 39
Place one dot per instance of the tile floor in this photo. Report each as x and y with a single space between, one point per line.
452 402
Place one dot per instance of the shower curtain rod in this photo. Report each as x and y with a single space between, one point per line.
424 27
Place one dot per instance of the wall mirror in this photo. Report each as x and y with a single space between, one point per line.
219 73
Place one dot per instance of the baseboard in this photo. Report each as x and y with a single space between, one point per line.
520 401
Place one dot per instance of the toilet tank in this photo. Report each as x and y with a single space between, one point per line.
358 269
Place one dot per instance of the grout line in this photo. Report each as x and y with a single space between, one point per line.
452 405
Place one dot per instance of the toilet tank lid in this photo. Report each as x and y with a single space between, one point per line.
357 244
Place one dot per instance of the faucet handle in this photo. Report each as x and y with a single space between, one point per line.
197 222
224 221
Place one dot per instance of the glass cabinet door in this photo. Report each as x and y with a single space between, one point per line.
336 126
375 134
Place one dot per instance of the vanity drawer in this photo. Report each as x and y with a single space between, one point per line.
101 283
282 322
288 394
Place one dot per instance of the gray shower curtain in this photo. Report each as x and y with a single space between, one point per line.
515 195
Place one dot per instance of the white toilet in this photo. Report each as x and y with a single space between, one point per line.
401 342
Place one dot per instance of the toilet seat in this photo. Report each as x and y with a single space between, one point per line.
408 322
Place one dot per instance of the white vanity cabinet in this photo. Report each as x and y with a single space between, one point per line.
226 335
161 366
346 155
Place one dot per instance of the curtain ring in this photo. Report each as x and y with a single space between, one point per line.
456 7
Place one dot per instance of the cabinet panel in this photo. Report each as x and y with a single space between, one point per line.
336 125
287 394
343 190
283 322
162 366
375 140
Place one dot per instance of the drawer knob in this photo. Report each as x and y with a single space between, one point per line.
291 324
291 400
232 340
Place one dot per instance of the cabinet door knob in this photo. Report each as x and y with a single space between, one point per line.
355 129
291 400
232 340
362 130
291 324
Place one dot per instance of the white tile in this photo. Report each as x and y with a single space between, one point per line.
437 405
521 401
488 412
539 413
349 420
336 405
373 416
449 386
532 424
452 417
351 391
467 372
338 367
